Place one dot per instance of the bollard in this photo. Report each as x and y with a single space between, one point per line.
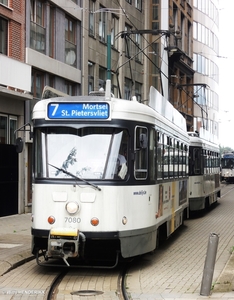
209 264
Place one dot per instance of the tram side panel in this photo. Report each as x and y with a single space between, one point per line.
204 174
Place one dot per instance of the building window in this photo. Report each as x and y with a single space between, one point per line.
138 4
138 87
70 88
37 12
37 30
128 43
114 31
37 83
5 2
102 24
91 76
3 129
70 42
127 88
51 26
129 1
138 48
91 18
12 128
102 77
155 58
155 15
8 125
3 36
114 85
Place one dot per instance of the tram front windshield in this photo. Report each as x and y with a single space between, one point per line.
90 153
227 163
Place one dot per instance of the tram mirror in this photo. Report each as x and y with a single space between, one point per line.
143 141
19 145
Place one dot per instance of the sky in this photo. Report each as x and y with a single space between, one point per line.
226 75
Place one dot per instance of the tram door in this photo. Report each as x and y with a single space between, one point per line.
8 180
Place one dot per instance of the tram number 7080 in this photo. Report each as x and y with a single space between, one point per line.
72 220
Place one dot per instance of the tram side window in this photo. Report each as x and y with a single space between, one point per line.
176 159
212 162
197 158
171 158
180 159
152 155
166 158
38 171
218 161
159 155
184 159
206 162
141 150
187 161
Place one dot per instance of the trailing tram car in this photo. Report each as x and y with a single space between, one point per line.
227 167
100 181
204 173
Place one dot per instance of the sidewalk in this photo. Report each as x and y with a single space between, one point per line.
15 241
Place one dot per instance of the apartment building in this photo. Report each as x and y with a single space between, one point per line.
171 68
73 46
118 20
15 87
206 66
40 45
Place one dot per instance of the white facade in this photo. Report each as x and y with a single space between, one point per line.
206 65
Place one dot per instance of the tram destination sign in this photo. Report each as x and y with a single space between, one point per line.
71 110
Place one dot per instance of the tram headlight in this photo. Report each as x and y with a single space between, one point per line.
72 207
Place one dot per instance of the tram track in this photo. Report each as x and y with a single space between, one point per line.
52 283
89 282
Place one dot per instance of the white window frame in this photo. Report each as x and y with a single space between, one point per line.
102 24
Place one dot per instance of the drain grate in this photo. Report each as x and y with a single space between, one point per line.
87 293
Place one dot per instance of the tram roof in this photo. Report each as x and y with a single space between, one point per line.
158 112
195 140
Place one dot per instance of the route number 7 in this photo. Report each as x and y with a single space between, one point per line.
56 105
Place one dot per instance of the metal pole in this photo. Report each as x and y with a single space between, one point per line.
108 57
209 264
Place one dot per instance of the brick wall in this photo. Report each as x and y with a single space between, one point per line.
15 14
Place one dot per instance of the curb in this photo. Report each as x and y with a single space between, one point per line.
15 261
225 282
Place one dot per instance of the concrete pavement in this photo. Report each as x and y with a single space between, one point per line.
15 241
175 271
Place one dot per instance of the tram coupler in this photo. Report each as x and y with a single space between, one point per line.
63 243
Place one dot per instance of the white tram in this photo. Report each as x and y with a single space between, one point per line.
204 173
100 182
227 167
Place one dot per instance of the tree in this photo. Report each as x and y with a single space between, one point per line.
225 149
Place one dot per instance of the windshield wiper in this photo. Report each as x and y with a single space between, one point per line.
76 177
